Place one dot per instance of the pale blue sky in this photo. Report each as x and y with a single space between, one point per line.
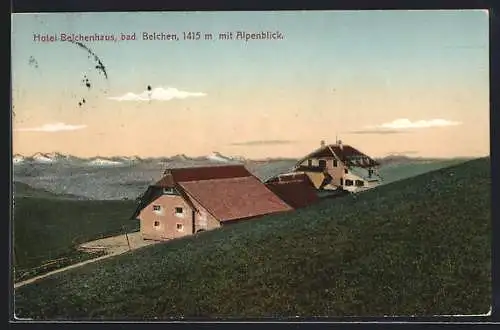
369 53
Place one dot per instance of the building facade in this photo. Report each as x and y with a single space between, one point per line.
342 166
189 200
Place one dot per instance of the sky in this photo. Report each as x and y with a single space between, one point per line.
385 82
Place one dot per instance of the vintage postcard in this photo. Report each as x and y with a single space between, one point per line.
179 165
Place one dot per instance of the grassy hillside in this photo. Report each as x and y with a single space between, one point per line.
47 228
21 189
407 168
420 246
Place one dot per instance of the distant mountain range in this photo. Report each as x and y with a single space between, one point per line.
114 178
55 157
214 157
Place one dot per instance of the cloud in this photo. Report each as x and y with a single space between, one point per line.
404 125
403 153
51 128
378 131
158 94
261 142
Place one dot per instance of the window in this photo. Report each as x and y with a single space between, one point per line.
157 223
348 182
335 163
169 191
156 208
180 227
341 181
346 171
178 210
359 183
322 163
309 162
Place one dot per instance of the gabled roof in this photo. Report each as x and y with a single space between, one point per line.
187 174
295 189
149 195
234 198
347 154
228 192
153 193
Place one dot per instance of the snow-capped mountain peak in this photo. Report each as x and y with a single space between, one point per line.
218 157
131 158
180 157
16 159
98 161
43 158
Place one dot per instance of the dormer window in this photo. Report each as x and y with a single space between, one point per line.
309 162
169 191
156 208
346 171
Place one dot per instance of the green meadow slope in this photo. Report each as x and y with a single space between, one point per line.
414 166
21 189
419 246
47 228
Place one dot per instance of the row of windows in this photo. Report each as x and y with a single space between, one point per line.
350 183
322 163
178 210
179 226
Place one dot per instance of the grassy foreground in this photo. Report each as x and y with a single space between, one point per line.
419 246
47 228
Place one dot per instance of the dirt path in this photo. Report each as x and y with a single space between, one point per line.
113 246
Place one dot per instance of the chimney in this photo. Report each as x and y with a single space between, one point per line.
323 143
341 146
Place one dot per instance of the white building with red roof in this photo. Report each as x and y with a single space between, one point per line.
335 166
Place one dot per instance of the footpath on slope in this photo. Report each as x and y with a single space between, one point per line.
113 246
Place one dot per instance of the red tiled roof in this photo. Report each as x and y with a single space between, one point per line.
345 152
201 173
295 190
235 198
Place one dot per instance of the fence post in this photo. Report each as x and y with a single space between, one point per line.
126 235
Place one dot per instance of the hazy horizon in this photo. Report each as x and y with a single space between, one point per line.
408 155
385 82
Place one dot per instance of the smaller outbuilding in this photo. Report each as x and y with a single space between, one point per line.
296 189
